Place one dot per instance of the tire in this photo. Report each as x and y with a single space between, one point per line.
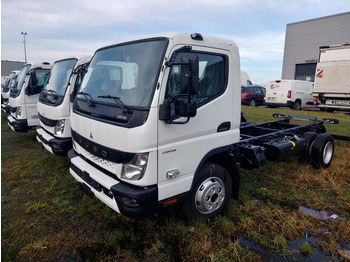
252 102
304 156
297 105
322 150
210 194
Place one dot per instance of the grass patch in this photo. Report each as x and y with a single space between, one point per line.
45 217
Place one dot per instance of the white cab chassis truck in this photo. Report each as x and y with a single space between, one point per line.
157 120
5 90
54 133
24 96
332 79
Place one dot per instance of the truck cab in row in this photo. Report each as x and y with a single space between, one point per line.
54 105
24 96
153 118
5 90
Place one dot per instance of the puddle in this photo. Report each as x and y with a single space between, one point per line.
318 214
294 247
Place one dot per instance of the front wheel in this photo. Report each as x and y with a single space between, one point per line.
210 194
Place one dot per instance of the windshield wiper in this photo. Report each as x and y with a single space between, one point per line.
119 101
88 97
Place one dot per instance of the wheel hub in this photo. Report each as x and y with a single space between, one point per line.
210 195
328 153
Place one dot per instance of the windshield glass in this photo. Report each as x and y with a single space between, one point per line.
125 73
21 76
59 76
6 85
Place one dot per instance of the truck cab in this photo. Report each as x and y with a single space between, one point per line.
5 90
54 105
24 96
152 121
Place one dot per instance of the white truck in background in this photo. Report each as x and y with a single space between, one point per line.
157 121
24 96
5 90
245 79
53 133
332 79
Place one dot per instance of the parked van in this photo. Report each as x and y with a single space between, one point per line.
24 96
54 133
295 94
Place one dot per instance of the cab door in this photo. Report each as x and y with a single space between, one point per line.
35 84
181 147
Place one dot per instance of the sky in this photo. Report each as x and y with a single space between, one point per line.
57 29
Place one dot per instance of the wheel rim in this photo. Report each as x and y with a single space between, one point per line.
210 195
252 102
328 153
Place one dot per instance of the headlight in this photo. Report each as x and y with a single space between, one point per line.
18 112
135 169
59 127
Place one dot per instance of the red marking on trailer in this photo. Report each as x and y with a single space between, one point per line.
319 73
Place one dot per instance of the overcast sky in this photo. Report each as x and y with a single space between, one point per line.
57 29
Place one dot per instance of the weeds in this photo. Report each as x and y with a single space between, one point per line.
46 218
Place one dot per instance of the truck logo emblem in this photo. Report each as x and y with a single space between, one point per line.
91 136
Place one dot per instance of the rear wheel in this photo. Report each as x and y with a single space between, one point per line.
304 156
322 150
297 105
252 102
210 194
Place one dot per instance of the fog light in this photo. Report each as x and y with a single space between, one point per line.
130 202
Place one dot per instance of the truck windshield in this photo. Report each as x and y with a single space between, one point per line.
59 77
128 72
21 76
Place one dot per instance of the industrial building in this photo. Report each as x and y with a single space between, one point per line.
303 39
8 66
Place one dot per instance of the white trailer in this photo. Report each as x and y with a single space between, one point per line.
157 121
55 102
24 96
332 79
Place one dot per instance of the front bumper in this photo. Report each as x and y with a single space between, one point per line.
17 125
125 199
5 108
57 146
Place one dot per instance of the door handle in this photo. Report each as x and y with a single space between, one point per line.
224 126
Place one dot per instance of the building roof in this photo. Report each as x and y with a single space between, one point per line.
8 66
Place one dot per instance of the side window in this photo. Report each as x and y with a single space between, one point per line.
257 90
212 78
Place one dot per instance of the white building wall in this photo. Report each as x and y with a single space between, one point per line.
303 40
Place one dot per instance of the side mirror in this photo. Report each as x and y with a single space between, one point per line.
189 74
33 79
185 107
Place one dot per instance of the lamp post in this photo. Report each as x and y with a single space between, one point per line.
24 42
